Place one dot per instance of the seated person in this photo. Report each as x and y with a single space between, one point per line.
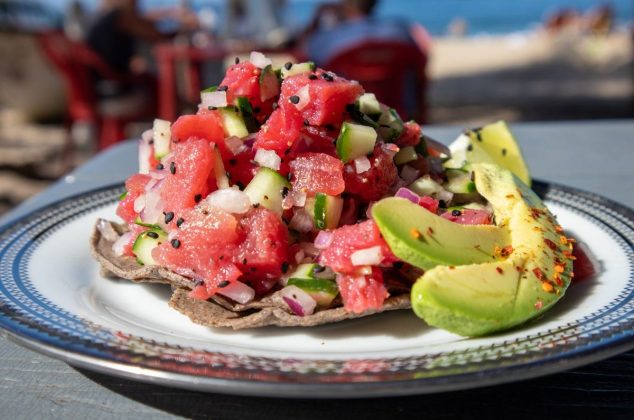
338 26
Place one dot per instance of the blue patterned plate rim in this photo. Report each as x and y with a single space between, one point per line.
37 323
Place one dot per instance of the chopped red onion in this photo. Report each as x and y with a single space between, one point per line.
249 140
304 97
139 203
145 151
259 60
323 239
268 158
299 256
390 149
409 174
235 144
238 292
309 249
362 164
118 247
298 301
230 200
407 194
301 221
217 99
367 256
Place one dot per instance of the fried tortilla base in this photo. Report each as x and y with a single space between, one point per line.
217 311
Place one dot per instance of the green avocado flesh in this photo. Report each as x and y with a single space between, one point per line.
479 299
425 240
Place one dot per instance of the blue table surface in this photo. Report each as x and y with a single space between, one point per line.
595 156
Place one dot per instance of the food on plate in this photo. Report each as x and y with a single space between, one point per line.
294 198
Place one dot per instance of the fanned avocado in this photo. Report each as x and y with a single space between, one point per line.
425 240
482 298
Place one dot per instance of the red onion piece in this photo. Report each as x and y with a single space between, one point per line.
298 301
409 174
362 164
238 292
118 247
217 99
268 158
407 194
437 146
145 150
230 200
367 256
259 60
390 149
323 239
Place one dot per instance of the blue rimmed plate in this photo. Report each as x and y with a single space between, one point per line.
53 300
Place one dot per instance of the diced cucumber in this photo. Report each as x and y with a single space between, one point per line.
327 211
459 181
298 68
323 291
425 186
304 271
248 115
123 196
406 154
162 134
269 85
369 105
145 243
390 124
233 122
355 140
266 189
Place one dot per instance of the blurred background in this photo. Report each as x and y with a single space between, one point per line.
78 76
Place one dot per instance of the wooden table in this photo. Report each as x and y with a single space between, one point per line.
595 156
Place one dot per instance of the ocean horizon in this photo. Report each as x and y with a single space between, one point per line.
483 17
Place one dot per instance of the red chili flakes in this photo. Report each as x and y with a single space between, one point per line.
518 268
563 240
548 288
550 244
509 196
430 231
499 270
451 267
538 273
414 233
538 305
536 213
560 268
568 254
506 251
559 229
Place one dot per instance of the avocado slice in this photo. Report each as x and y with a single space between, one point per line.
425 240
478 299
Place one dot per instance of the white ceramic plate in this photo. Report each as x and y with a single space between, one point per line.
53 300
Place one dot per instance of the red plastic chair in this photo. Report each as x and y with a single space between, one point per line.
76 63
387 69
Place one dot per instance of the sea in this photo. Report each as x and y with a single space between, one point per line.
482 17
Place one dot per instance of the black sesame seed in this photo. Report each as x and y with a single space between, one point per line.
240 185
456 213
284 267
288 65
256 205
244 261
180 221
503 152
266 197
351 108
257 110
233 162
212 108
442 203
173 168
237 60
198 197
152 235
151 142
312 77
398 264
470 147
294 99
175 243
198 282
274 106
223 283
306 123
328 77
169 216
160 167
222 88
284 192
